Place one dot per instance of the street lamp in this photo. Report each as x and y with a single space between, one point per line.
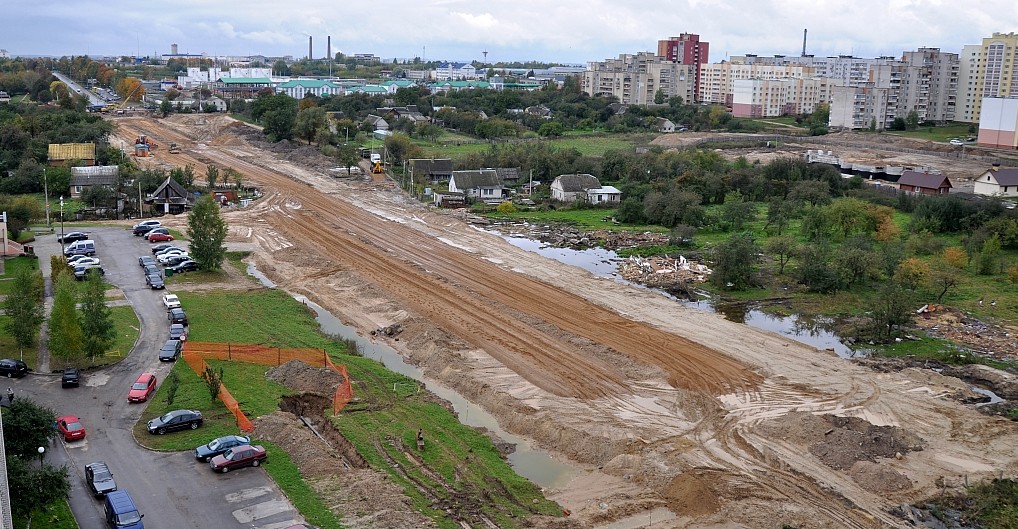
42 454
45 189
346 130
61 218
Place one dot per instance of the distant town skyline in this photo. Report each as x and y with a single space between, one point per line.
567 31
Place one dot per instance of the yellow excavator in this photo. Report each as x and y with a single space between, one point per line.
377 168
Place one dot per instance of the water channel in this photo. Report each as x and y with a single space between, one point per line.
527 460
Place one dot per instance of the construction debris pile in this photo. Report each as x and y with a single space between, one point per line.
565 236
661 272
994 341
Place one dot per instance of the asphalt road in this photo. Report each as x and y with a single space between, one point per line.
80 90
172 490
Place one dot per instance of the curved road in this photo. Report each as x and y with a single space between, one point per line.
171 489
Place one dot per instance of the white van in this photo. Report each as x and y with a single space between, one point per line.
85 247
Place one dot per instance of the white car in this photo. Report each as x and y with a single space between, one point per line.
171 301
956 142
84 261
153 223
166 256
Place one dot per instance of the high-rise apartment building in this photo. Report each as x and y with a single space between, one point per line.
761 98
717 81
685 49
929 85
844 70
636 79
997 72
968 69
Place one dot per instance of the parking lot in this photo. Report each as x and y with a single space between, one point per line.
170 489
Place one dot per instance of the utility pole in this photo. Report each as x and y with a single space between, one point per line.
45 190
140 215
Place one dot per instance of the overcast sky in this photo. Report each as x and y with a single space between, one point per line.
568 31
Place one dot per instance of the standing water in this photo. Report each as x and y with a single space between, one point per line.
603 263
527 460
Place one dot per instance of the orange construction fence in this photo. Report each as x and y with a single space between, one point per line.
195 354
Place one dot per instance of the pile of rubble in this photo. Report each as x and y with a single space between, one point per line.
661 272
994 341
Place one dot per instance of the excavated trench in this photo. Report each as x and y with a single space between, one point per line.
310 409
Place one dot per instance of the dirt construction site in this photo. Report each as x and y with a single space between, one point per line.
661 406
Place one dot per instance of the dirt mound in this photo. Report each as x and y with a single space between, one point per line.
878 478
799 427
691 494
301 377
311 455
851 439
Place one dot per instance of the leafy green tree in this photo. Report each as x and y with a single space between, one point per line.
183 176
166 107
400 148
815 271
779 214
988 261
347 156
308 122
734 261
24 308
97 329
736 212
660 97
213 381
428 130
207 230
278 124
34 487
912 120
550 129
98 196
65 336
27 426
212 175
891 309
783 247
856 260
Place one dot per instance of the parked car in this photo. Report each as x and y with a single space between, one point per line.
155 281
143 388
175 260
164 246
75 258
186 266
151 223
99 478
167 250
956 142
13 368
70 427
171 301
73 236
146 260
147 235
170 351
81 272
84 260
70 378
177 316
121 512
82 247
152 269
238 457
219 446
159 237
163 258
175 420
142 230
178 332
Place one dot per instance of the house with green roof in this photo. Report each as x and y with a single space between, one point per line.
240 87
456 86
371 90
395 84
298 88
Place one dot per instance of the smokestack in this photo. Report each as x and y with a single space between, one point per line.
804 42
328 47
310 53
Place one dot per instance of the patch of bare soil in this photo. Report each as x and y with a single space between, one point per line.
875 477
987 339
692 493
301 377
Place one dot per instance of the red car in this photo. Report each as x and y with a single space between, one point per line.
237 457
160 237
70 427
143 388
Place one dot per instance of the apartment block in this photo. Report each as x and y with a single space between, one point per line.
929 85
997 73
845 70
968 69
635 79
757 98
860 107
685 49
717 81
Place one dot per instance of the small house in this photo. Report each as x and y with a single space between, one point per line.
433 170
573 187
998 182
509 176
376 122
604 195
665 125
65 153
449 199
170 197
482 184
924 183
82 178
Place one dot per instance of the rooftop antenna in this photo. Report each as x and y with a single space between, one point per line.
803 42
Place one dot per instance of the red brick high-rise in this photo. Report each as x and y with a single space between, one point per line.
685 49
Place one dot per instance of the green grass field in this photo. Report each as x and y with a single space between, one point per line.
56 515
464 458
939 134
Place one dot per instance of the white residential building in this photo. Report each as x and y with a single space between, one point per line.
968 89
717 81
756 98
455 71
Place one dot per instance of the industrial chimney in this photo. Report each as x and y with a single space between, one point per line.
328 47
804 42
310 53
173 49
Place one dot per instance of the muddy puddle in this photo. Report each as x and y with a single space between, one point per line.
816 332
527 460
